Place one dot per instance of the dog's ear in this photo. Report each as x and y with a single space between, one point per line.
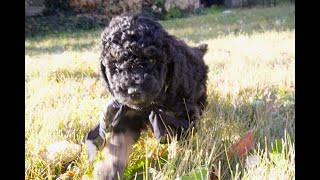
104 77
203 48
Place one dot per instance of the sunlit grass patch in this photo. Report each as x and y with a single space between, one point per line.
243 61
62 103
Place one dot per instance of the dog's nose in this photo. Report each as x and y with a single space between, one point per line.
134 92
137 79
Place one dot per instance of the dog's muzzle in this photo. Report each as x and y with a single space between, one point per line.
134 92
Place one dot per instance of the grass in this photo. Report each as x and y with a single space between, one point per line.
251 85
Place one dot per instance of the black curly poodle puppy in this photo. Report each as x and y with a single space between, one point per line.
154 79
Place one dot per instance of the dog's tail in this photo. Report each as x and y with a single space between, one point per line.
203 48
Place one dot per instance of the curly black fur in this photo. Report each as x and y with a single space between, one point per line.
152 77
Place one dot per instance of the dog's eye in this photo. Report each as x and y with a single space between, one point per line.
152 61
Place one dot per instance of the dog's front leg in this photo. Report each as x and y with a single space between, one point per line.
163 124
95 139
116 154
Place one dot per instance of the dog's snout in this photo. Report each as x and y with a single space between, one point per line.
134 92
137 79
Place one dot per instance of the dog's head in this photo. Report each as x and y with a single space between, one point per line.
134 60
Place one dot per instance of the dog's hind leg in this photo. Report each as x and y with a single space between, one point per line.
116 154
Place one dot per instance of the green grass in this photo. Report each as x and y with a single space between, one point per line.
251 85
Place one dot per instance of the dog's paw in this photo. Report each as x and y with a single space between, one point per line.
92 151
105 170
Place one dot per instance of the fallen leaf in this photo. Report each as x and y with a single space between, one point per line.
70 173
242 147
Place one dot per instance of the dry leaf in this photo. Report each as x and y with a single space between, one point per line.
241 148
70 173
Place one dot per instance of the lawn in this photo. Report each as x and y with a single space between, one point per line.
251 88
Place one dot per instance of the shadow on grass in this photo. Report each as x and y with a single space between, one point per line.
58 49
209 24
